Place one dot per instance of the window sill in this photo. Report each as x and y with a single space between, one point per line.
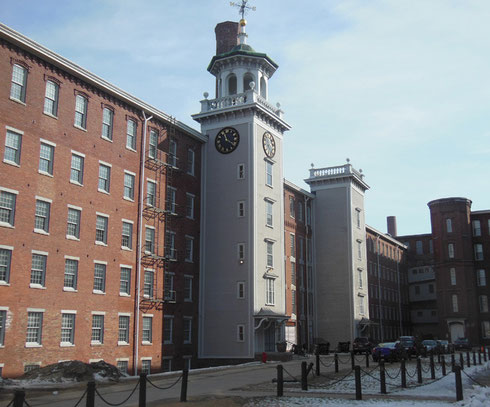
47 174
103 191
106 139
292 259
7 225
70 237
37 286
79 128
146 343
167 343
125 248
187 342
100 243
70 290
131 149
41 232
96 343
50 115
122 343
190 217
33 345
188 261
269 226
76 183
270 186
4 283
124 295
12 163
128 199
20 102
98 292
67 345
187 300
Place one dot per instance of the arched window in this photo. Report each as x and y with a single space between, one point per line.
263 88
247 78
232 84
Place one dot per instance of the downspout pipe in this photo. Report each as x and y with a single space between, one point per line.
379 290
140 239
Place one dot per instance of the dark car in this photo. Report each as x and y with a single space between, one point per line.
362 345
462 344
430 347
388 351
408 344
445 346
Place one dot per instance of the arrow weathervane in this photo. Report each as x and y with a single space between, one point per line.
243 7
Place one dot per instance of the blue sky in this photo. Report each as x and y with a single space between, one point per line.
400 87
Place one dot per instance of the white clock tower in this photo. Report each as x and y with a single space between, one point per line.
242 289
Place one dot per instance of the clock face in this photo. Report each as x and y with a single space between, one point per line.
227 140
269 144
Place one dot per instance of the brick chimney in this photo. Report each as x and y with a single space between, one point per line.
226 36
391 222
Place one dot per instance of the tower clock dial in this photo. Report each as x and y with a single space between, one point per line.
227 140
269 144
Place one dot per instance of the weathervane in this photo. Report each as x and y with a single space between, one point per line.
243 7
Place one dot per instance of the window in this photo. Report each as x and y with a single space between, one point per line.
99 277
131 135
127 235
240 171
190 161
149 240
241 209
293 273
34 328
476 228
241 252
301 249
19 82
483 300
128 186
291 206
417 290
46 157
3 328
268 173
51 98
101 229
148 283
13 142
97 328
123 334
269 291
359 249
171 195
268 213
166 364
71 274
419 249
455 303
361 304
240 333
452 272
308 215
240 290
7 208
5 259
478 251
293 300
481 279
73 228
485 327
358 218
431 246
122 366
31 367
270 254
38 269
104 177
76 171
81 111
292 245
450 250
431 288
170 251
68 329
449 225
168 287
152 149
359 273
151 190
189 248
125 281
41 220
146 366
172 153
107 123
188 288
187 329
168 324
147 330
300 211
189 206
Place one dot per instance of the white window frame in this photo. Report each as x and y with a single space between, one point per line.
44 218
107 123
269 254
147 331
10 148
81 104
7 210
128 188
149 283
151 192
270 294
187 336
269 172
172 153
188 282
191 160
189 250
269 217
65 329
36 330
41 271
6 266
104 184
73 276
100 266
97 316
476 227
149 239
123 339
449 225
19 83
128 237
131 134
170 319
77 225
171 199
105 230
51 97
450 250
292 213
76 174
126 291
153 144
190 202
50 146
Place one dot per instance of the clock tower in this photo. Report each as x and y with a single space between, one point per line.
242 291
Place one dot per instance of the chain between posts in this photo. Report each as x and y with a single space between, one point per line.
121 403
165 388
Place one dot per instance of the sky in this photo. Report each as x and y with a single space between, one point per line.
399 87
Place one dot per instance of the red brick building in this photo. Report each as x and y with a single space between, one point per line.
99 220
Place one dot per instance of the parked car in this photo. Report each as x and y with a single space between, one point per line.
445 346
408 344
362 345
462 344
429 346
389 351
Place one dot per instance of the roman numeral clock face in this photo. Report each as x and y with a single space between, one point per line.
269 144
227 140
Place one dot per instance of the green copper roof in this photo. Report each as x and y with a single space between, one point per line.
241 49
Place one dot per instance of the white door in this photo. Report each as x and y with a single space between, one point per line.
457 331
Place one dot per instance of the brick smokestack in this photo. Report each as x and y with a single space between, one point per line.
391 221
226 36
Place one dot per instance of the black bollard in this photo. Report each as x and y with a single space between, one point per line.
90 400
461 361
432 368
280 381
367 359
19 398
459 385
317 356
336 360
304 379
403 374
443 365
352 360
468 358
142 398
479 357
357 371
382 377
419 370
453 362
183 389
474 358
